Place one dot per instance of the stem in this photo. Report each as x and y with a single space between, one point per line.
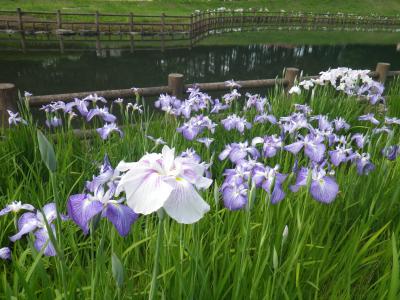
153 287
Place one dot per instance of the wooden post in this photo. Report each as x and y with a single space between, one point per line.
96 22
59 26
21 29
8 97
162 32
382 69
191 32
290 75
176 84
131 28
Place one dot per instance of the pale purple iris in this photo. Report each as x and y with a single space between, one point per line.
360 140
303 108
313 147
323 188
5 253
107 129
15 207
81 106
232 84
383 129
167 103
14 118
54 122
271 144
235 122
191 153
392 121
103 113
36 223
391 152
271 181
195 126
256 101
58 105
95 98
293 123
323 123
157 141
369 117
218 106
206 141
264 118
238 151
363 163
340 124
99 200
340 155
231 96
373 91
235 187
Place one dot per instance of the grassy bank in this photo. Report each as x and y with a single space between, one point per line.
347 249
364 7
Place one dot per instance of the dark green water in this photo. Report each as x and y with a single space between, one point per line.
48 73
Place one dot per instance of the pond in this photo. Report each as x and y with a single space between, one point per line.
48 73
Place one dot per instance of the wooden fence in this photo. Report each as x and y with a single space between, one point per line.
168 30
176 87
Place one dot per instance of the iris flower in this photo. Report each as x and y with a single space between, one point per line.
14 118
5 253
161 180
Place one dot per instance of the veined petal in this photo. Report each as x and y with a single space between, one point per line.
150 195
184 204
27 223
81 210
42 236
121 216
295 147
324 190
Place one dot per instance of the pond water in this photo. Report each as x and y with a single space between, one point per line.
48 73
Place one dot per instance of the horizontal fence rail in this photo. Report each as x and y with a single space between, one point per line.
166 30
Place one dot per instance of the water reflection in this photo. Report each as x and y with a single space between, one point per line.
44 73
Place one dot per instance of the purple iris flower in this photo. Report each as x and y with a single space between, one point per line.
36 223
107 175
238 151
293 122
271 144
339 155
271 181
15 207
313 147
195 126
235 122
369 117
340 124
256 101
54 122
363 163
323 123
83 207
264 118
15 119
391 152
107 129
206 141
234 196
323 188
5 253
303 108
81 106
95 98
169 104
157 141
218 106
360 140
102 113
372 90
391 121
191 153
232 96
232 84
383 129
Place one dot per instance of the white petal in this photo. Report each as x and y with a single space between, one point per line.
168 155
125 166
184 204
150 195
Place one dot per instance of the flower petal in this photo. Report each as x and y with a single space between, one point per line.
121 216
81 210
324 190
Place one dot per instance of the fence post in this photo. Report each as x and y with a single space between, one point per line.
97 18
162 32
382 69
59 21
19 18
176 84
191 32
290 76
8 97
131 28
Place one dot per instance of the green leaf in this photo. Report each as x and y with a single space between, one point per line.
117 270
275 260
395 280
216 194
47 152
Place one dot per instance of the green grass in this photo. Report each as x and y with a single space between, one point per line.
382 7
345 250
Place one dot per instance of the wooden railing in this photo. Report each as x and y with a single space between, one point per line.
176 87
168 30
